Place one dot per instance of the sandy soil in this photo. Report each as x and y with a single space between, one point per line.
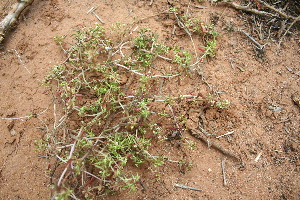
262 114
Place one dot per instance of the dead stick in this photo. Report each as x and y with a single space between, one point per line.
246 8
224 173
297 19
225 134
276 10
12 17
261 13
253 40
187 187
213 144
92 10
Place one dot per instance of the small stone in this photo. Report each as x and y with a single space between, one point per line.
11 125
294 146
13 132
275 108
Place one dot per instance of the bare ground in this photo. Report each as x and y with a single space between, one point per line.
262 114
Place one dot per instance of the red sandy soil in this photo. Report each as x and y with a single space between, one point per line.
262 114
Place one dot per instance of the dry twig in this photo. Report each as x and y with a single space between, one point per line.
259 12
225 134
92 11
258 157
12 17
287 30
261 47
69 162
213 144
187 187
278 11
224 173
247 9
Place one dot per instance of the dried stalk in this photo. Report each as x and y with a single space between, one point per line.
12 17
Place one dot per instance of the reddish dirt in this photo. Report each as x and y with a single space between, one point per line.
262 114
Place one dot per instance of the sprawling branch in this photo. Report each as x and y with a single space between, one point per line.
276 10
12 17
262 13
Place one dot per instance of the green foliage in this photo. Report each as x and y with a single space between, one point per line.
217 103
193 25
63 194
111 129
146 48
183 58
41 144
210 48
174 9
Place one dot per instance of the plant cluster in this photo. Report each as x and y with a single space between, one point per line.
193 25
114 127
